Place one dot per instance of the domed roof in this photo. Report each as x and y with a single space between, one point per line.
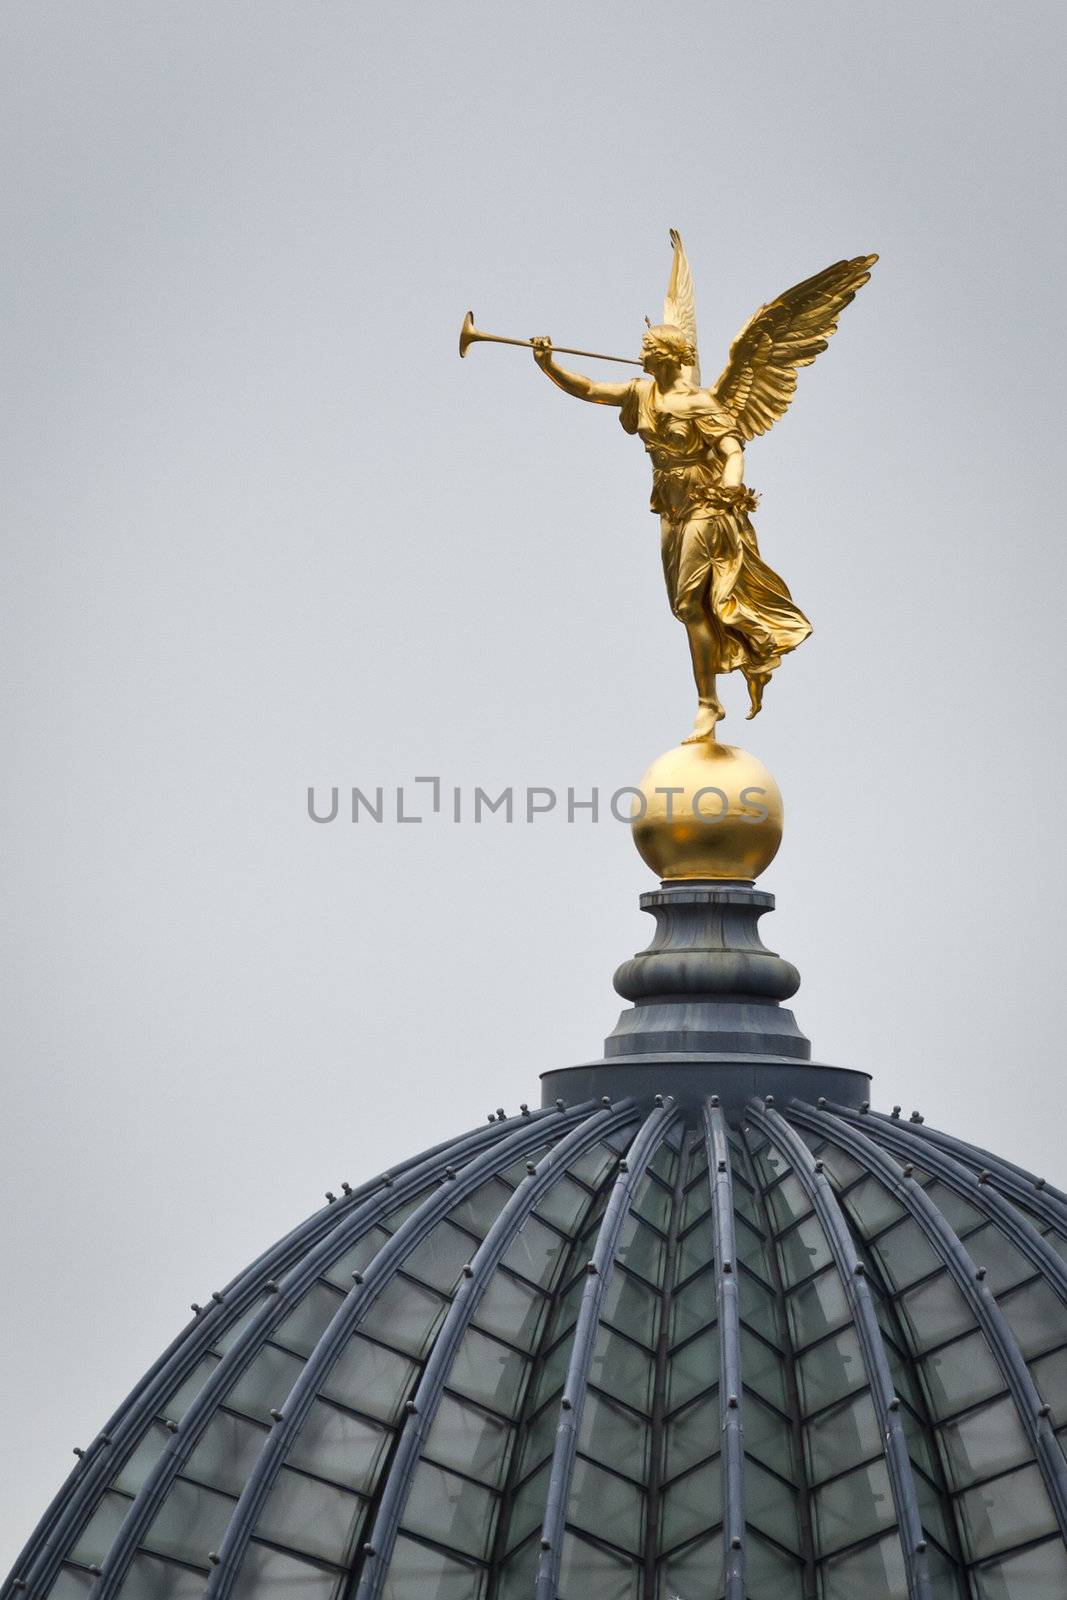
610 1350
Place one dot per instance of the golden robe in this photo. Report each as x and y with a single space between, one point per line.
711 559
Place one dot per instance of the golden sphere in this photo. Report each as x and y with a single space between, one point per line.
707 810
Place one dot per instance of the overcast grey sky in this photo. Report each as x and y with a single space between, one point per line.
261 529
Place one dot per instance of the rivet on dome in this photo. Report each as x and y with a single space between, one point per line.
865 1106
468 1270
768 1100
894 1404
387 1179
450 1172
105 1438
271 1287
605 1099
369 1550
732 1403
196 1310
715 1100
331 1197
1045 1410
983 1176
561 1105
546 1544
859 1269
531 1167
170 1425
524 1108
500 1117
821 1101
492 1116
566 1404
658 1100
591 1268
721 1165
820 1166
357 1277
895 1113
735 1543
410 1407
346 1188
1039 1183
980 1274
213 1557
277 1415
624 1165
908 1169
921 1546
216 1296
79 1452
727 1267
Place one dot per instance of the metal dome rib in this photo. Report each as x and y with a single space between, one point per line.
726 1269
969 1278
428 1395
879 1377
1016 1182
40 1557
378 1273
964 1181
730 1383
480 1147
600 1269
50 1542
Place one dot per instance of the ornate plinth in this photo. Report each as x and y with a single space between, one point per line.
707 1014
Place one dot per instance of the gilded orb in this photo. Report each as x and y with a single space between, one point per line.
707 810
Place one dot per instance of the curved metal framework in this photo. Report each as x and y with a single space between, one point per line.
481 1409
39 1560
458 1185
475 1282
970 1280
731 1393
1024 1187
574 1389
876 1365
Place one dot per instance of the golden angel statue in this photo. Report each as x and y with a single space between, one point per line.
737 612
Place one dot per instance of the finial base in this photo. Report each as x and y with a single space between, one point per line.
707 1014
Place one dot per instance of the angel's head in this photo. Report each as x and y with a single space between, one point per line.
664 347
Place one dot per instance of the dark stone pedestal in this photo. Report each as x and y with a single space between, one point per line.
707 1016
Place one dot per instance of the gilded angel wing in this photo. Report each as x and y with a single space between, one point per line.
760 378
680 307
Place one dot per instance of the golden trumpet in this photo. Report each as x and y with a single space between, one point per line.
469 335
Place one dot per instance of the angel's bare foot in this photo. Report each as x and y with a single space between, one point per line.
709 713
757 682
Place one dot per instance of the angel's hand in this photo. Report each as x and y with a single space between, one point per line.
542 349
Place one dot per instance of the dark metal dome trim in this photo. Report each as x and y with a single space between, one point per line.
428 1395
872 1347
384 1265
970 1279
1025 1188
730 1384
575 1386
75 1501
895 1427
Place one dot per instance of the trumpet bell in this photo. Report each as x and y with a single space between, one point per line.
468 334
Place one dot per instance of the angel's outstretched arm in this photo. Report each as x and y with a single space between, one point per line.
575 383
733 472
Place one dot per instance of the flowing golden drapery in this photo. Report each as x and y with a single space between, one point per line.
711 559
